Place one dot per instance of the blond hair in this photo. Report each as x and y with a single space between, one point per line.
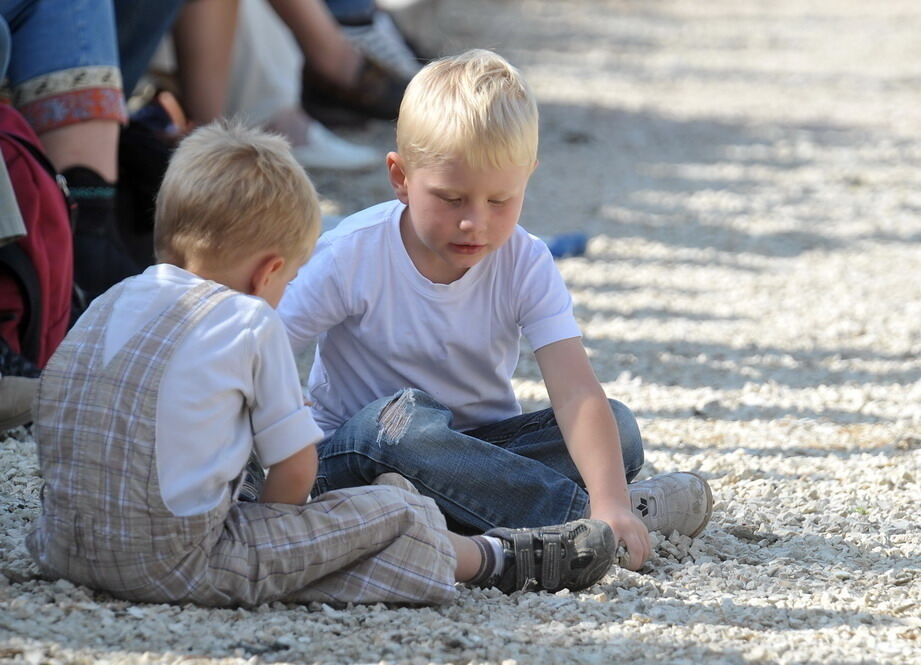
231 191
475 106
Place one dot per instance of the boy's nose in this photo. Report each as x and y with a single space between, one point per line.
472 220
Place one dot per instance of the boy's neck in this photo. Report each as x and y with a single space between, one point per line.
237 277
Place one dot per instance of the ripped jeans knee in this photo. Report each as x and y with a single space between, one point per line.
411 413
394 419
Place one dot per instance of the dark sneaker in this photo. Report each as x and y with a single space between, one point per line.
572 556
376 94
679 502
15 364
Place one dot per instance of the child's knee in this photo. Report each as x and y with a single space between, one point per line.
410 412
394 419
631 441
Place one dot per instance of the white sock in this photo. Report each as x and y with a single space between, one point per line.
498 550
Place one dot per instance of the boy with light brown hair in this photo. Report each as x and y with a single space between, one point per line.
417 306
171 380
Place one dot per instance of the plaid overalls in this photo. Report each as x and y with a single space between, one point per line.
104 523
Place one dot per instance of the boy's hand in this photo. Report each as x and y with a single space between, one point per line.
629 529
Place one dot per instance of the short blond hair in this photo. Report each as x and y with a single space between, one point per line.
474 105
231 191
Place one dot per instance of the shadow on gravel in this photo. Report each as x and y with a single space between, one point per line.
690 364
844 452
758 618
688 183
523 631
745 413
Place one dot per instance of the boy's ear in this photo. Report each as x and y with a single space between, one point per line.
265 269
396 170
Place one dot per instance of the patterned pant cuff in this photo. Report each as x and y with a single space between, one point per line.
70 96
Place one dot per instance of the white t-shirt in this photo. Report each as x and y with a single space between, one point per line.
231 384
380 325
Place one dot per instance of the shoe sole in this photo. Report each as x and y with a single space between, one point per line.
709 510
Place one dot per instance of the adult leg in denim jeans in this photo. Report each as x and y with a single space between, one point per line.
65 78
478 485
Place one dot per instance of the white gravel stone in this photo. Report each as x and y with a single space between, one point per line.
750 177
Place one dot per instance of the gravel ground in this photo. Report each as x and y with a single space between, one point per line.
749 174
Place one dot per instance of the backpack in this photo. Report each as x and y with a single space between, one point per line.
36 272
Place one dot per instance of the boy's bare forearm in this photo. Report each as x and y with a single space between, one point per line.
290 480
584 416
592 439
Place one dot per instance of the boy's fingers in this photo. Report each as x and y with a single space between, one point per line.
638 549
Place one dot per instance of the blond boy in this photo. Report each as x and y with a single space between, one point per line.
418 305
151 407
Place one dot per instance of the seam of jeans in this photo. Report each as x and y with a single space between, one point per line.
578 505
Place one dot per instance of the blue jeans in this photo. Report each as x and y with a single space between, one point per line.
352 12
140 27
4 47
513 473
63 66
54 35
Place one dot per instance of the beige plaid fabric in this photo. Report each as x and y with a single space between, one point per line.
104 523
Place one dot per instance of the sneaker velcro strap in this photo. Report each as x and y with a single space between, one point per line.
552 559
524 560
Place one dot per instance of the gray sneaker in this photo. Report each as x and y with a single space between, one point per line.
572 556
679 502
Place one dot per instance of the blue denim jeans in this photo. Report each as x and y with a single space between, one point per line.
53 35
63 66
513 473
140 27
352 12
5 40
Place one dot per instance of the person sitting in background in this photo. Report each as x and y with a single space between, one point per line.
265 82
67 84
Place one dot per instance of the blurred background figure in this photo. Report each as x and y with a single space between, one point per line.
265 80
64 78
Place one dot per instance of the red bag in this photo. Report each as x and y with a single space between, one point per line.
36 272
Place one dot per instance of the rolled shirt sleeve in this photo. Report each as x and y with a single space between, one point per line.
282 424
544 304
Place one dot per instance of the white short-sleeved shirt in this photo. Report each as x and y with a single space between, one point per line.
231 385
380 325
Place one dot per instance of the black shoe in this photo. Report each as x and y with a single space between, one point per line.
572 556
14 364
377 93
100 259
